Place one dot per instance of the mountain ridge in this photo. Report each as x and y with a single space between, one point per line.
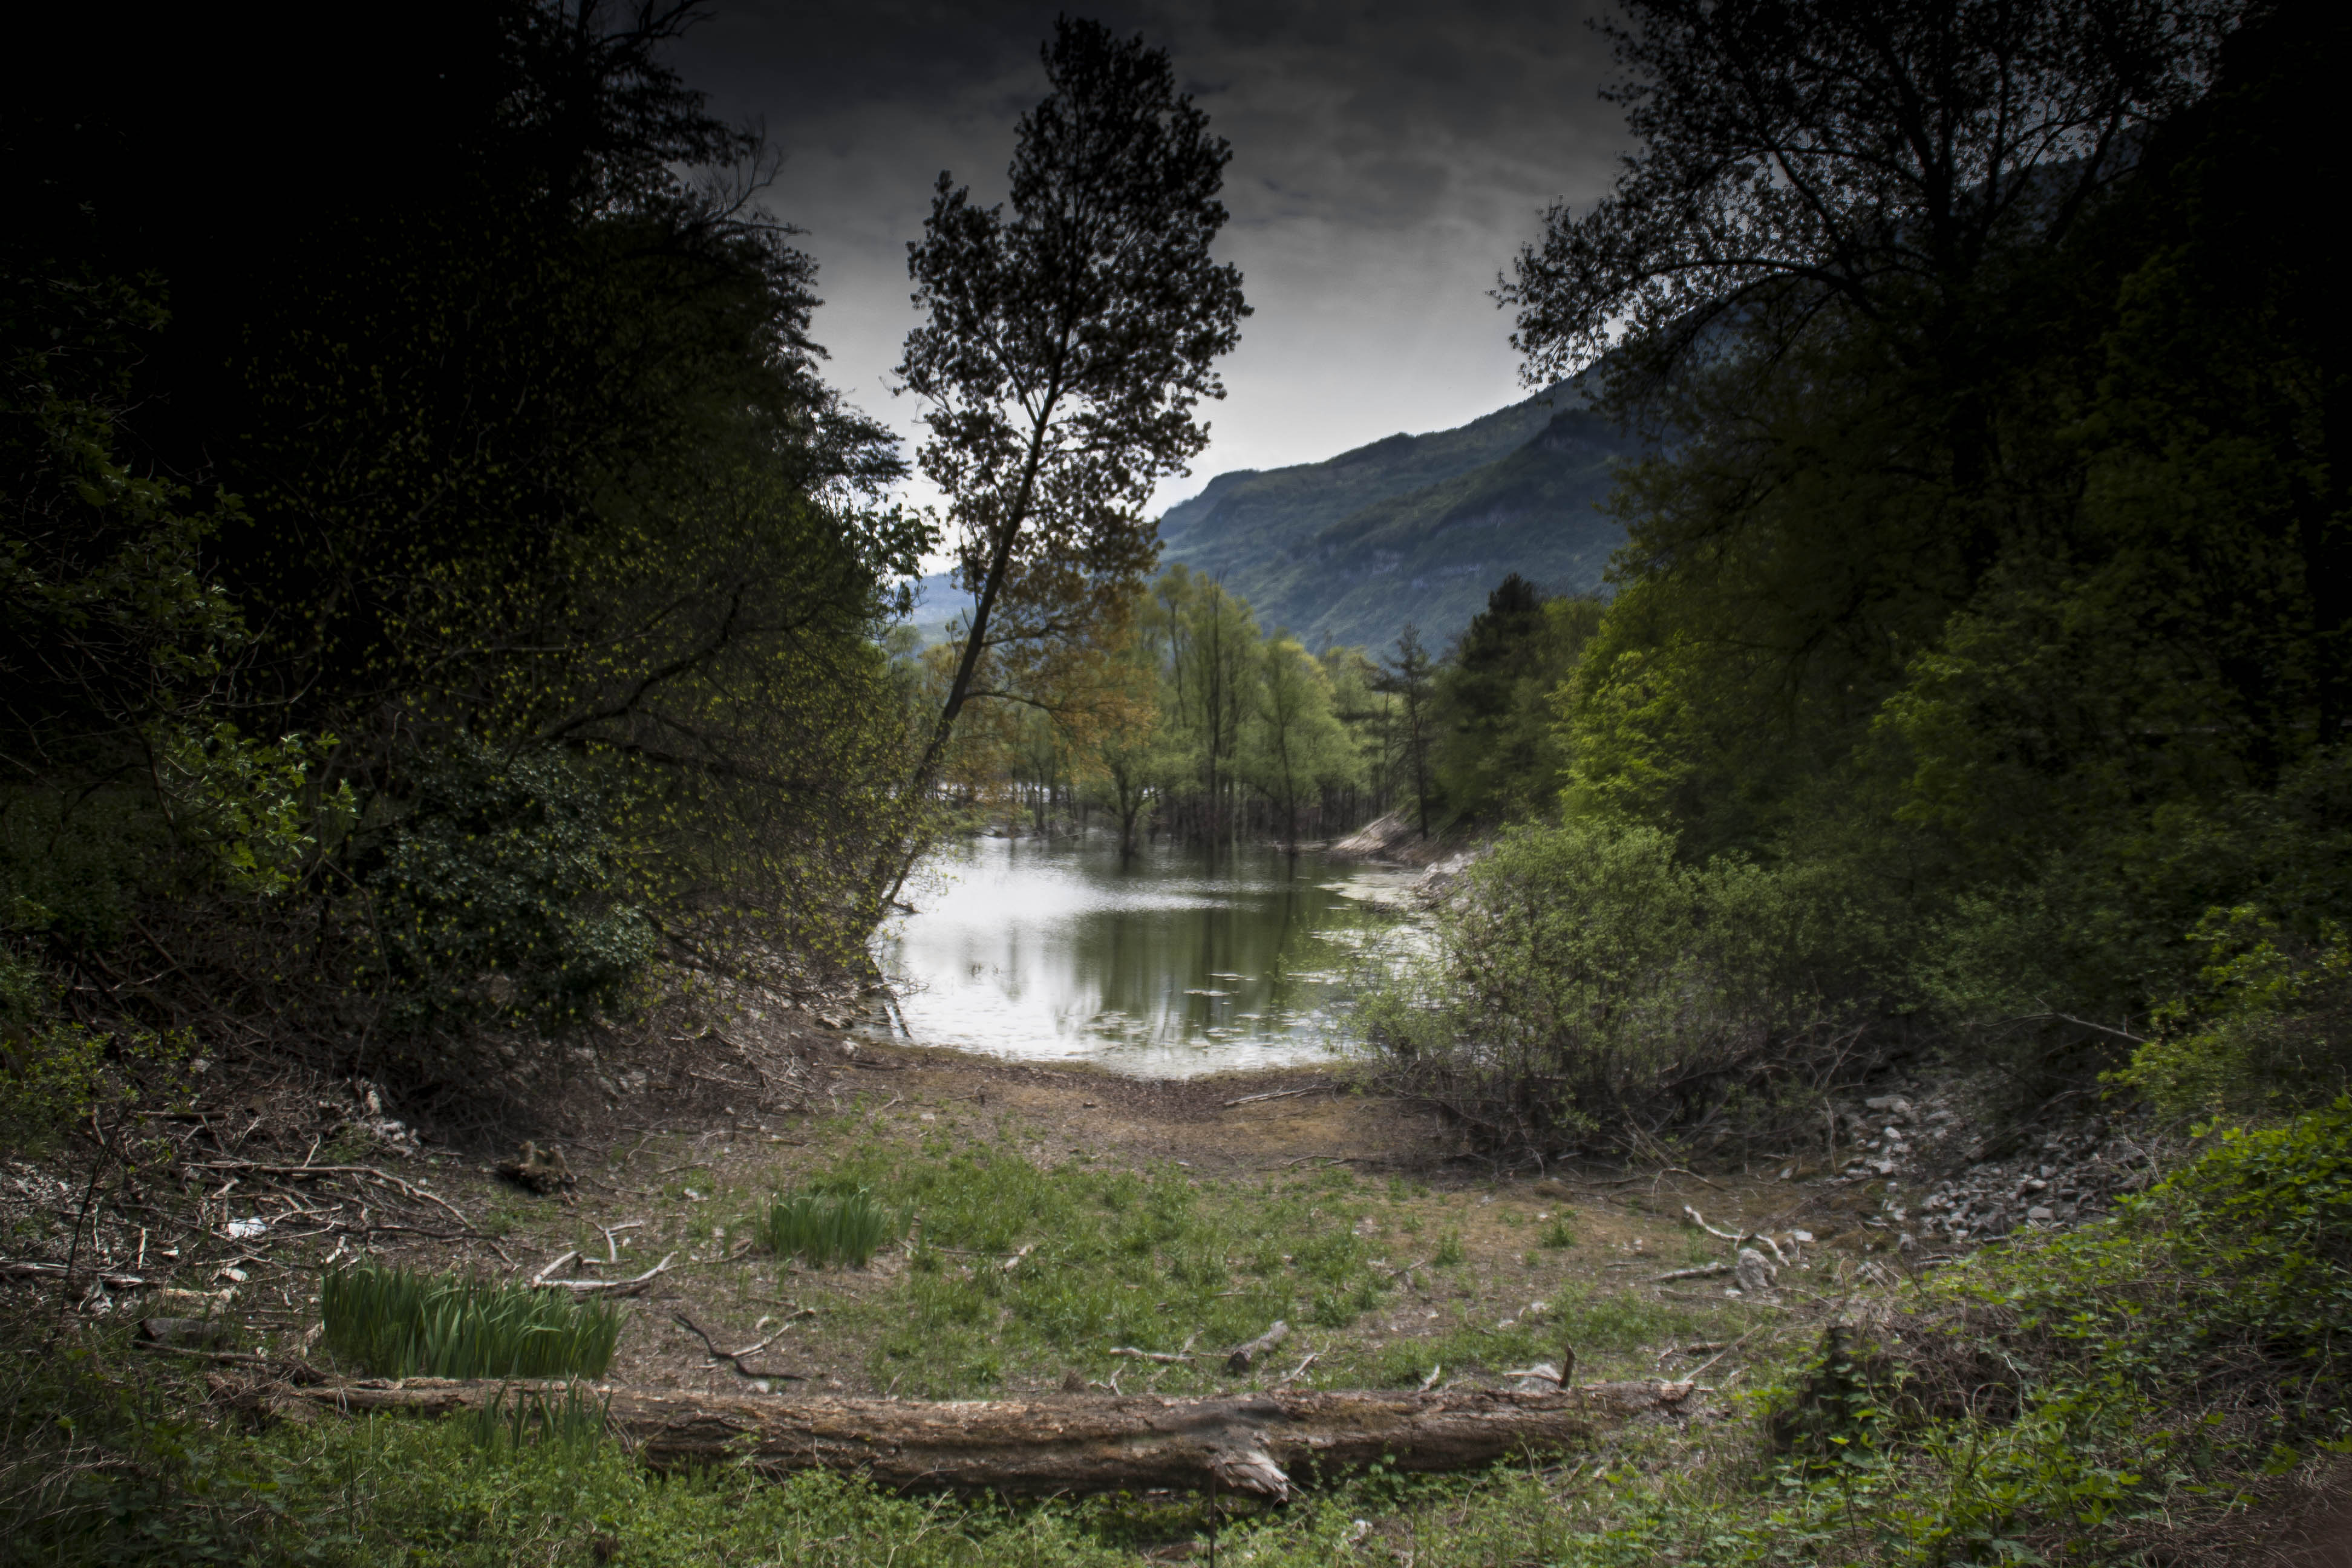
1412 528
1405 529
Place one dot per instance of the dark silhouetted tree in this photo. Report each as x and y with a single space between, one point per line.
1067 346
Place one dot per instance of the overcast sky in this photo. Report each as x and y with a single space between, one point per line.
1388 160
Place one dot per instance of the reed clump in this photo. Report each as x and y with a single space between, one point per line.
396 1322
823 1230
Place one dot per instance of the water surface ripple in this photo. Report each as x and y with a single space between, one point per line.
1164 966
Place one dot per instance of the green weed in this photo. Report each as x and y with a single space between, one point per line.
393 1322
1026 1271
574 1424
823 1230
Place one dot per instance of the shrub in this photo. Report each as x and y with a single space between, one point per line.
2272 1034
1584 984
823 1230
393 1322
500 896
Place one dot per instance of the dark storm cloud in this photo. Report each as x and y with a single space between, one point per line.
1388 160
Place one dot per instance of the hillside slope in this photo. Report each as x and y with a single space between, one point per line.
1412 528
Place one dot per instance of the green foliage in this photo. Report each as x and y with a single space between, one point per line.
527 527
248 804
1496 753
1294 744
823 1230
1584 983
2271 1031
502 893
1105 1258
51 1070
395 1322
2029 637
519 1418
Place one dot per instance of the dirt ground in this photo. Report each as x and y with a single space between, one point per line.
667 1155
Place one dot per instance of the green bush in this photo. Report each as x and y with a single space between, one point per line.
2271 1032
1586 983
501 895
393 1322
823 1230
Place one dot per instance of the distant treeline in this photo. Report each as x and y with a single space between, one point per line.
1185 718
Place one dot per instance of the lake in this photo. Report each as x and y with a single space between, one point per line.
1161 967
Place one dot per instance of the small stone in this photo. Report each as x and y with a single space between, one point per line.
2040 1215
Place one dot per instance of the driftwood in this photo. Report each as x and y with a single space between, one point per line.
630 1286
1247 1355
1250 1443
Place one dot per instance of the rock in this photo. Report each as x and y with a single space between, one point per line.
2040 1214
539 1170
1893 1105
1755 1272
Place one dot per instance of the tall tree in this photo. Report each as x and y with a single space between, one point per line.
1409 676
1067 347
1860 159
1295 741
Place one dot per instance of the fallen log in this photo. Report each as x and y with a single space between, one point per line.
1249 1442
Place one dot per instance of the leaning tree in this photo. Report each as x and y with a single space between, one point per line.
1068 344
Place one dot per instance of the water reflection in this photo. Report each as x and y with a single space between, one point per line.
1163 966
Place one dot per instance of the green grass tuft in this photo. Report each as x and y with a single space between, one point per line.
822 1229
397 1323
574 1425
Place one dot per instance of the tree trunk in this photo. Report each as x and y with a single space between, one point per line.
1255 1443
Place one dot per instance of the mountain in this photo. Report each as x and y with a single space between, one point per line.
1412 528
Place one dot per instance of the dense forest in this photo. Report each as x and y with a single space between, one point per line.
450 626
439 584
1972 679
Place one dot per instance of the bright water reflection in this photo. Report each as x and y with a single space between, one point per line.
1163 967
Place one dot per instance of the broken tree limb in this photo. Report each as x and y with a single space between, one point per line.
1166 1358
1275 1094
1704 1271
1246 1356
735 1358
1740 1239
629 1286
10 1269
1250 1443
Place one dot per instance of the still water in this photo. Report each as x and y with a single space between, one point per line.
1163 967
